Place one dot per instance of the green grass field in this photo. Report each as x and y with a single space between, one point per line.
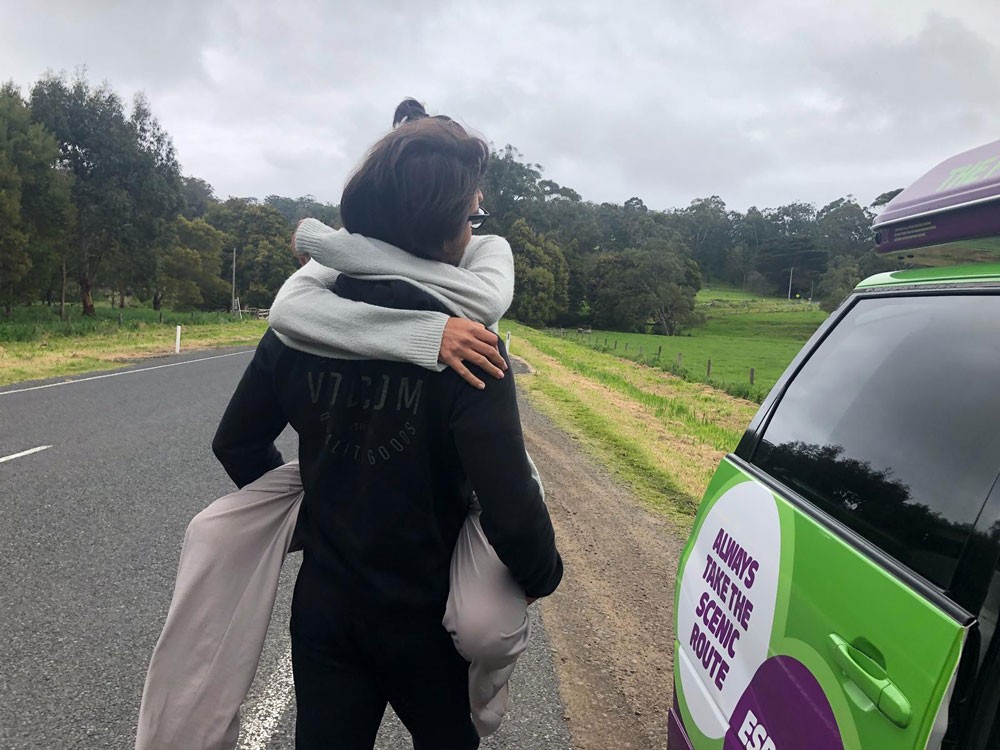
740 332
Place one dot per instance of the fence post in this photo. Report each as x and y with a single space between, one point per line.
708 373
119 320
659 351
177 342
605 341
508 342
751 375
616 344
679 358
640 350
626 346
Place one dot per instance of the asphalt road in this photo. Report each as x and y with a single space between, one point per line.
89 539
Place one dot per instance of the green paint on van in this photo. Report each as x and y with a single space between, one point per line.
956 274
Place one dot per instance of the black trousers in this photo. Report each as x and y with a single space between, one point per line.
348 667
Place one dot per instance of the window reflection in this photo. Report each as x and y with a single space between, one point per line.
872 502
891 425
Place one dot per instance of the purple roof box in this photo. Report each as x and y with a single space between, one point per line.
957 200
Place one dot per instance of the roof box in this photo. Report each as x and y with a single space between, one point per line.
951 214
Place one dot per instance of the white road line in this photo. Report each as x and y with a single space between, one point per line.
24 453
259 722
126 372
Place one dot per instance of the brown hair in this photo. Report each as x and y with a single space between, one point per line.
415 186
408 110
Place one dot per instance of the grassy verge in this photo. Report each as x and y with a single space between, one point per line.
33 345
661 435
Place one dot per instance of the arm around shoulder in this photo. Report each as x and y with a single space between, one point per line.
321 322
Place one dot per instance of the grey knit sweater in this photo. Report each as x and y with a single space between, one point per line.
308 317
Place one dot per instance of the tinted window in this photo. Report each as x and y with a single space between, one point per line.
893 425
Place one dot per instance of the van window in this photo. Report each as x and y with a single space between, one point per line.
892 425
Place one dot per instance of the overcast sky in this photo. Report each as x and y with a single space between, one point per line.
762 102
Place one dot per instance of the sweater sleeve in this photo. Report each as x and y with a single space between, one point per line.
308 316
480 288
489 280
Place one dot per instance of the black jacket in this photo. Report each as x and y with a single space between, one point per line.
390 454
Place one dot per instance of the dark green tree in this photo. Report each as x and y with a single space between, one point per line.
35 207
541 277
155 198
261 237
125 177
844 228
306 207
792 220
511 189
198 196
188 273
791 264
655 285
707 229
841 276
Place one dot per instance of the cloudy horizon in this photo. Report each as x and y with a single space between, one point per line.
761 103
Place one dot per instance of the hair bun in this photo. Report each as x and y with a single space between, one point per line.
408 110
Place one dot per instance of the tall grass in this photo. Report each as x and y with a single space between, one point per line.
606 370
41 322
35 344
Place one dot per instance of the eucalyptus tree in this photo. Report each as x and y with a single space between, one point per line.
126 179
35 207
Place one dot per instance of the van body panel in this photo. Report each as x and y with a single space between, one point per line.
808 592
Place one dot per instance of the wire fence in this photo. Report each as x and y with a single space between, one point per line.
675 364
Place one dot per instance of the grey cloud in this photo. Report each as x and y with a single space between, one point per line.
762 102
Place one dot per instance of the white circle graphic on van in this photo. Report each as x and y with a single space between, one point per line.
726 607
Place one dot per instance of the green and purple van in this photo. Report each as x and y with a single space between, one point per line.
841 585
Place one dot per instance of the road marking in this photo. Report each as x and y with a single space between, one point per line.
124 372
259 723
24 453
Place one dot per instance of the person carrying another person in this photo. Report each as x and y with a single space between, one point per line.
377 516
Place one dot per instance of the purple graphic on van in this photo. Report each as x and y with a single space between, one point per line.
783 707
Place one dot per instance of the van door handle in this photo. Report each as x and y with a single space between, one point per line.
873 681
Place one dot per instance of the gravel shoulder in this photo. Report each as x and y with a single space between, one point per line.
611 620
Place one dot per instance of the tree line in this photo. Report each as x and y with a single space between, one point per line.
93 202
630 268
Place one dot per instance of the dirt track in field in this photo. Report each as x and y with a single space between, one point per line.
611 620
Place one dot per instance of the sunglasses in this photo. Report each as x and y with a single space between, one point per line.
478 219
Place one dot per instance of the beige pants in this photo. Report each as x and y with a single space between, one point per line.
227 579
